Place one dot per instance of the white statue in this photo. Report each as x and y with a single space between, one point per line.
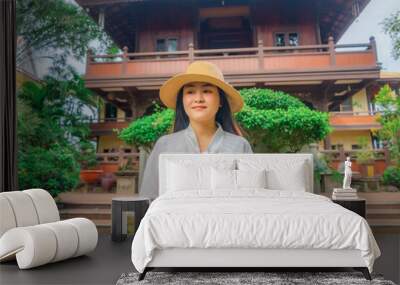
347 174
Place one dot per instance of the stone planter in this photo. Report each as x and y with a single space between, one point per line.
126 182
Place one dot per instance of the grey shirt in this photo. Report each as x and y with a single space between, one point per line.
185 141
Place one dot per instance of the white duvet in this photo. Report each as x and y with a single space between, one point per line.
253 218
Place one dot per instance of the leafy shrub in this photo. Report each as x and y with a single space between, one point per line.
54 169
391 176
53 133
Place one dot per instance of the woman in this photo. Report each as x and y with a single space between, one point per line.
203 104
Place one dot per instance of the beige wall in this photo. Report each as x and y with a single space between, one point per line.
360 102
348 138
110 141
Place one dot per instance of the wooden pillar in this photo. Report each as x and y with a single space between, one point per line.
260 55
320 101
134 107
331 47
89 59
373 49
124 59
342 155
191 52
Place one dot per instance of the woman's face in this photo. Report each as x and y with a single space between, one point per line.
201 101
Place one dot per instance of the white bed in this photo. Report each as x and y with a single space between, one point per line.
203 221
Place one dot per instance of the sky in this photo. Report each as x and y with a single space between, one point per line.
368 24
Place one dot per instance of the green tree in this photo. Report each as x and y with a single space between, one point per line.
145 131
389 105
275 122
278 122
57 26
391 26
52 133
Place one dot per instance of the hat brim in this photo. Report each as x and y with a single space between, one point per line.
169 90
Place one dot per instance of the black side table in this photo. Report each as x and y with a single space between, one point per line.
119 204
355 205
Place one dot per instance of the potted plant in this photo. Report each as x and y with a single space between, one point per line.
365 158
126 177
89 165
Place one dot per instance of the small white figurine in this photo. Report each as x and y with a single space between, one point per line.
347 174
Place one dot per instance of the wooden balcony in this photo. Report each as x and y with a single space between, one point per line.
354 120
241 66
381 161
106 126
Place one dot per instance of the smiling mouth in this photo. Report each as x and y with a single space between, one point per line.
199 108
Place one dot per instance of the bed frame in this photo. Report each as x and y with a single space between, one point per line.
242 259
246 258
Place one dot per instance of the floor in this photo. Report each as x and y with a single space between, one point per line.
103 266
111 259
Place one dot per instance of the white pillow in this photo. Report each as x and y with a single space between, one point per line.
228 179
251 178
282 174
223 179
190 174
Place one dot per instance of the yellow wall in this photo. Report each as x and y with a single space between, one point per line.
348 138
110 141
120 114
360 102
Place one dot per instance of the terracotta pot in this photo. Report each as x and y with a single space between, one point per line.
109 167
90 176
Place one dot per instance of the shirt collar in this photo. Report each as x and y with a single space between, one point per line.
214 143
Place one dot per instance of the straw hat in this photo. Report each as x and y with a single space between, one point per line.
202 71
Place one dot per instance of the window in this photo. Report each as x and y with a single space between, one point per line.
293 39
111 112
160 46
280 40
286 39
377 143
167 44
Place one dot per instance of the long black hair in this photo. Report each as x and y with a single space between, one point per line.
223 116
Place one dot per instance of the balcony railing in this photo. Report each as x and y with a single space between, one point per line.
108 124
381 160
107 120
329 56
354 120
119 157
354 113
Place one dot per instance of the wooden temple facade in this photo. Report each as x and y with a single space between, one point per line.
288 45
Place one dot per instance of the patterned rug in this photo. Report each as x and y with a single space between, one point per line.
242 278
